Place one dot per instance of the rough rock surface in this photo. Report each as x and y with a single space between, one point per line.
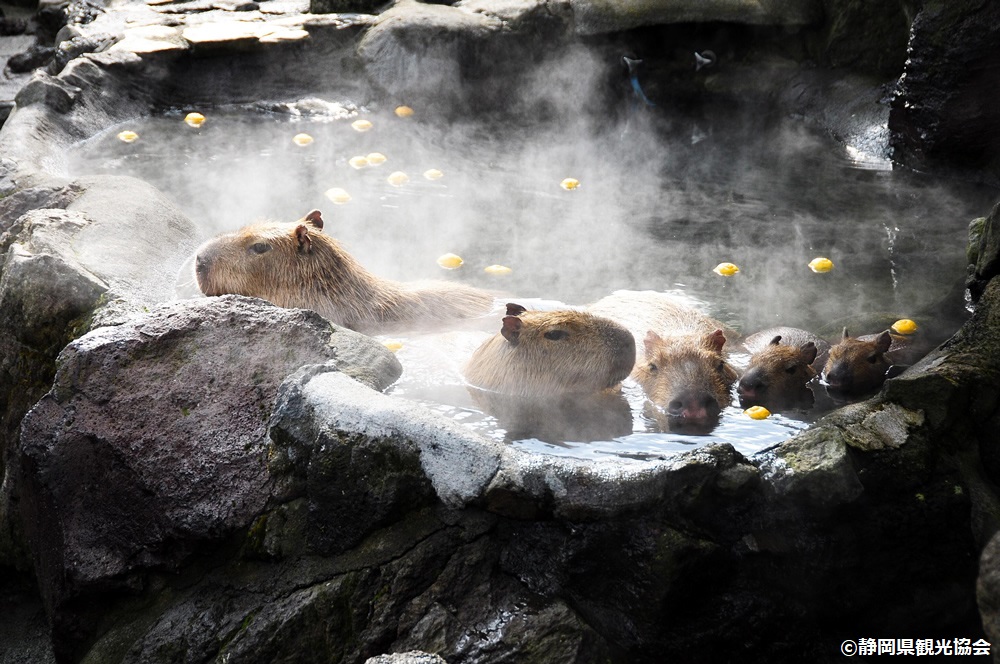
944 111
99 248
154 438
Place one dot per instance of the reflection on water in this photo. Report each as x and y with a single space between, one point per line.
654 210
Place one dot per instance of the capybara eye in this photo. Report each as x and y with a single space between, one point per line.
260 247
873 358
791 369
652 366
556 335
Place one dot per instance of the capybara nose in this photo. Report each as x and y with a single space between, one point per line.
693 406
750 383
625 358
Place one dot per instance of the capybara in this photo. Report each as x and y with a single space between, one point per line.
783 360
681 366
549 353
687 378
297 265
858 366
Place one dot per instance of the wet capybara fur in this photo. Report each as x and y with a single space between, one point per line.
687 377
681 365
297 265
550 353
780 368
858 366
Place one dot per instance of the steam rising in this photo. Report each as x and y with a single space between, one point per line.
662 198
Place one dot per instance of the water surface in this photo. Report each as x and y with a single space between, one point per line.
661 202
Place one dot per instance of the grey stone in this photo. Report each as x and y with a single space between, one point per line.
155 433
603 16
415 46
411 657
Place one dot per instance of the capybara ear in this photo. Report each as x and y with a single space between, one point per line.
302 237
883 342
775 341
845 335
515 309
511 329
651 341
715 341
314 218
808 352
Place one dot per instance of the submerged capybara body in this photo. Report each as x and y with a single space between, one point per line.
681 366
297 265
783 360
552 353
858 366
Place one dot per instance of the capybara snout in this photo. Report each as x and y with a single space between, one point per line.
858 366
686 376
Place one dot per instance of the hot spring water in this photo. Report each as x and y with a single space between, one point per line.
658 206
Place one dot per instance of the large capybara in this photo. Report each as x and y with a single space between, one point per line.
681 366
858 366
551 353
783 360
297 265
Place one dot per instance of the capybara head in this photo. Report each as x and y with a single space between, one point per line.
273 261
777 375
547 353
687 377
856 366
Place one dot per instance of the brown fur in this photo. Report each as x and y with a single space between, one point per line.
297 265
856 366
548 353
686 376
780 368
682 367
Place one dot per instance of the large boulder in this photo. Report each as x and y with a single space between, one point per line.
944 112
102 247
153 441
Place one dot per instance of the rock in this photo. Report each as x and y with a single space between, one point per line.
118 244
866 37
988 589
415 46
155 434
984 252
943 112
411 657
605 16
363 460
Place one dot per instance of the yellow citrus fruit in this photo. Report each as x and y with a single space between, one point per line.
450 261
433 174
757 412
302 140
128 136
569 184
194 119
404 111
337 195
393 344
376 158
904 326
358 162
726 269
498 270
361 125
821 264
398 179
